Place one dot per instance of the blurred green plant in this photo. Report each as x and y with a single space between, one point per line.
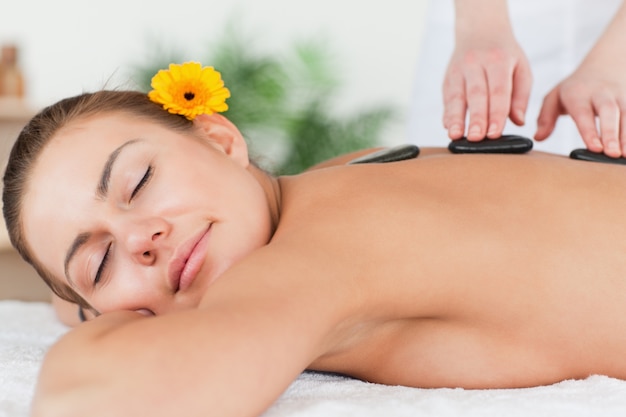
282 103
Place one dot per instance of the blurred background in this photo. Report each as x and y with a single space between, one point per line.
310 79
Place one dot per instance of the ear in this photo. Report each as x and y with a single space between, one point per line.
223 133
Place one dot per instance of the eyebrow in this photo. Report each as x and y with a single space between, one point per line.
79 241
105 176
102 190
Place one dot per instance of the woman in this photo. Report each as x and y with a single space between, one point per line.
398 273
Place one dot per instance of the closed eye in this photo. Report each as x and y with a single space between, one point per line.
103 265
144 180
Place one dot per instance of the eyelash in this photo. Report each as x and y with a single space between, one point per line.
144 180
103 264
105 260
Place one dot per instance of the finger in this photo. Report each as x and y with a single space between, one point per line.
550 111
585 119
522 83
608 115
500 86
622 125
454 103
477 103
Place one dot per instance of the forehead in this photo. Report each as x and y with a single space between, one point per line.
76 154
85 136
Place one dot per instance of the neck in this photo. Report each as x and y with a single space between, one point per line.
272 190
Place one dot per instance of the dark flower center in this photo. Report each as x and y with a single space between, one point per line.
189 96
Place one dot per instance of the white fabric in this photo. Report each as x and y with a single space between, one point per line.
555 35
28 329
26 332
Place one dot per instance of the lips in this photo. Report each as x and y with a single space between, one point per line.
187 261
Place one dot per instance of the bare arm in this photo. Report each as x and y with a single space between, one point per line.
488 75
233 356
596 89
201 362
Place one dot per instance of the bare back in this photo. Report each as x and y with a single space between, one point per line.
474 271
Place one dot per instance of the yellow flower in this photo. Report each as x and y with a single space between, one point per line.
189 89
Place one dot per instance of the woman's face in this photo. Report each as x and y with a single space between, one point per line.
134 216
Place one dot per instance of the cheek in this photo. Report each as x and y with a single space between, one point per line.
247 218
127 288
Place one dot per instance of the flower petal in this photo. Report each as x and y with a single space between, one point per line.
189 90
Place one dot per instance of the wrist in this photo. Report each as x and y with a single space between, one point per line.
481 19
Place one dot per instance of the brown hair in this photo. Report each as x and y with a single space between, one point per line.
34 137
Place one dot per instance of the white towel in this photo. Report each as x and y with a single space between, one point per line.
317 395
27 329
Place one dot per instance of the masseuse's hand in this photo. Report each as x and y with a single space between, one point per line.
488 76
594 95
585 96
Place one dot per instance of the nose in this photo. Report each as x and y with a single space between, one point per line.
142 238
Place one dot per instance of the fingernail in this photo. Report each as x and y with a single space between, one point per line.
455 131
520 116
493 130
597 143
474 132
